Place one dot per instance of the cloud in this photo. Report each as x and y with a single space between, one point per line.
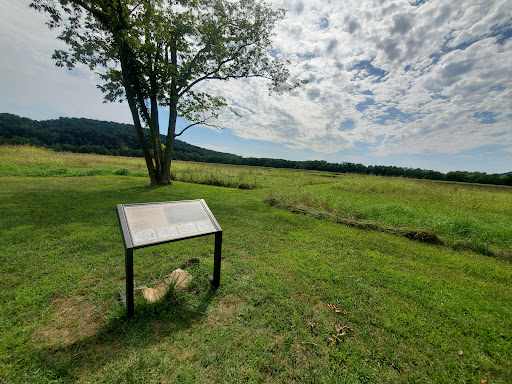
352 24
313 93
390 48
397 77
299 7
402 23
396 70
217 148
333 43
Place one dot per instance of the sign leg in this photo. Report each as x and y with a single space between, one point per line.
129 282
216 259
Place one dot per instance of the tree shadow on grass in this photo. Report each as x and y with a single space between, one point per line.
121 337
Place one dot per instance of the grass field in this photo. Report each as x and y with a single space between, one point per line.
463 216
31 161
303 298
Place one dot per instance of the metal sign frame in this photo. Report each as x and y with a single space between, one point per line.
134 239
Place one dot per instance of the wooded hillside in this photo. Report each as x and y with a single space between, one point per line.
86 136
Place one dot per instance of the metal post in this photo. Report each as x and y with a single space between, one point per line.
129 282
216 259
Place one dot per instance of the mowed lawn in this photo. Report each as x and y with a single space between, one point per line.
301 299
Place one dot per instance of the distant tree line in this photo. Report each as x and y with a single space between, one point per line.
346 167
108 138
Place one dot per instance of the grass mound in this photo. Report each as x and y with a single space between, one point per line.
326 214
462 216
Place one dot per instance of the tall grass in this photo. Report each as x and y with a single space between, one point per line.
465 216
243 177
39 162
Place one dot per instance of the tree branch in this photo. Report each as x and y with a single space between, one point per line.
94 11
193 63
134 8
236 54
236 77
135 80
202 122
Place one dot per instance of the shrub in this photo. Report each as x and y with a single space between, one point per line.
122 171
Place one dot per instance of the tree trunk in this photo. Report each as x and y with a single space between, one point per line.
130 96
169 144
171 129
155 139
154 125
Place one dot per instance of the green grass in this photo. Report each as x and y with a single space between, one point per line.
464 216
413 307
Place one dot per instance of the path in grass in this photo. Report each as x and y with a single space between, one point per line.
419 312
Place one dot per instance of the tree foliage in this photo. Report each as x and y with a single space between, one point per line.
157 52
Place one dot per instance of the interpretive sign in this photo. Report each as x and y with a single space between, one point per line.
154 223
148 224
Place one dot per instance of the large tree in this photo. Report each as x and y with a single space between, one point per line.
157 53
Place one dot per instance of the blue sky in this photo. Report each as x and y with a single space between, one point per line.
423 84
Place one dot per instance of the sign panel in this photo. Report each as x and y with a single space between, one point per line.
153 223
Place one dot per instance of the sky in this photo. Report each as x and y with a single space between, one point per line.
412 83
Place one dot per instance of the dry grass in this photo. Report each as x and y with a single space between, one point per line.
73 318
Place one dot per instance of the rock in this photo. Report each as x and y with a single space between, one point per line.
189 262
139 292
179 279
149 294
156 293
160 290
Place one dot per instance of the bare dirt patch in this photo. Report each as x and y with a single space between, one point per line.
74 318
228 306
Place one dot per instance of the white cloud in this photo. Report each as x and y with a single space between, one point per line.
217 148
414 80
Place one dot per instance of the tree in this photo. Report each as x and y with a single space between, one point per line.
158 52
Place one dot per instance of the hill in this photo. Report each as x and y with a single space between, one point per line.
86 136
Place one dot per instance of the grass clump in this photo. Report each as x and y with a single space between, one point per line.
122 171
